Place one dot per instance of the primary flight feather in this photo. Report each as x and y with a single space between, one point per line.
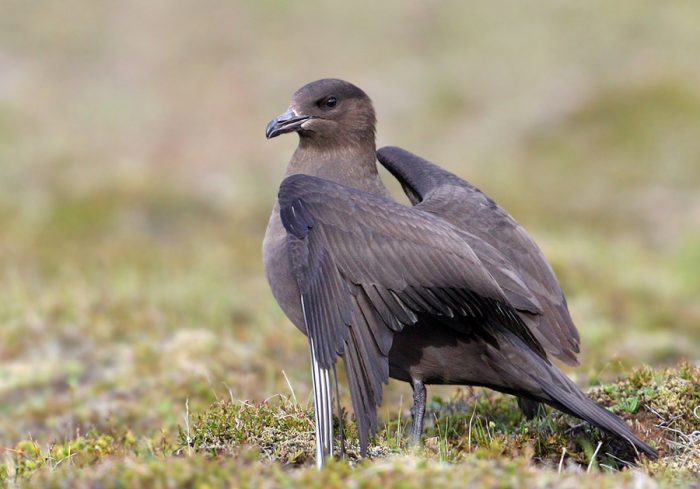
450 290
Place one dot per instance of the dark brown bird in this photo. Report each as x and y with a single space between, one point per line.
449 291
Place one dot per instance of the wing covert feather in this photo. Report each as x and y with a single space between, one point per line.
505 248
366 267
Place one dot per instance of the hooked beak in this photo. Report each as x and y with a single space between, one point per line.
284 123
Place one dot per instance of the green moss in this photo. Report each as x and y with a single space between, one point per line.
280 430
28 457
481 435
401 472
670 394
490 425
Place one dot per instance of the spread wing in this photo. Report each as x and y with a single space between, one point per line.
436 191
366 267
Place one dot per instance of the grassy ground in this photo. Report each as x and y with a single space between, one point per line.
139 345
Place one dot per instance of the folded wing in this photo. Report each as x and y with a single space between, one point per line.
366 267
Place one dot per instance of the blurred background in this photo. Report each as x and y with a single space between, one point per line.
136 182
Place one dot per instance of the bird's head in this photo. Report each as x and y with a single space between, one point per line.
327 113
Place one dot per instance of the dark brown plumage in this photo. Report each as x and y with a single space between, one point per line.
449 291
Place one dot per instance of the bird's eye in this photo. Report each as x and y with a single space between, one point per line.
328 103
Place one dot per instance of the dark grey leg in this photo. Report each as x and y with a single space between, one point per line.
529 407
417 411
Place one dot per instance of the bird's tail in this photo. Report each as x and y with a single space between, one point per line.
573 401
546 383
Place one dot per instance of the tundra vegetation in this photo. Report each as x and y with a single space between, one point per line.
139 344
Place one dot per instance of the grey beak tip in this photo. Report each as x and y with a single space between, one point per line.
270 129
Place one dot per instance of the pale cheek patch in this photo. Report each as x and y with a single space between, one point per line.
309 124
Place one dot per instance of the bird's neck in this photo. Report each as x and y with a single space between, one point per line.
354 166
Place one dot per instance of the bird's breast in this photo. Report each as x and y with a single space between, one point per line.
278 270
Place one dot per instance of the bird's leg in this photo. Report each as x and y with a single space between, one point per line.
341 424
529 407
417 411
